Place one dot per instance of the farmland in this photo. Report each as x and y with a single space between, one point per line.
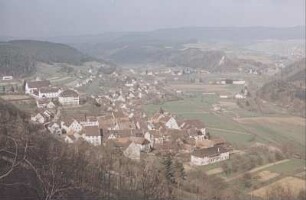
236 125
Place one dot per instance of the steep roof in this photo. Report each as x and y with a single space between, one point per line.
38 84
92 130
69 93
49 89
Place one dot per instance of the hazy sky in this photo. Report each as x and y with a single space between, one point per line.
74 17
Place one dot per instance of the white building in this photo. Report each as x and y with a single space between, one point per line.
54 128
172 123
239 82
49 92
92 135
75 127
240 96
7 78
38 118
209 155
34 86
69 97
90 121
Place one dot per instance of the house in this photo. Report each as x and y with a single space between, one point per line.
71 125
75 127
50 105
92 135
143 143
155 137
132 151
70 139
40 118
32 86
240 96
195 129
170 122
49 92
42 103
89 121
166 119
239 82
7 78
69 97
209 155
223 96
54 128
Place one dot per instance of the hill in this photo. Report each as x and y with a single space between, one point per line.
287 88
18 57
185 34
166 46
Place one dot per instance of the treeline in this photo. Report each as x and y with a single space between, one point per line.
19 57
14 62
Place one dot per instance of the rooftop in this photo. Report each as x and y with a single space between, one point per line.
69 93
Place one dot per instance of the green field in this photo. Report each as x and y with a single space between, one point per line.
224 124
288 168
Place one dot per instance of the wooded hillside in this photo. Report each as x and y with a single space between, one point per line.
18 57
288 88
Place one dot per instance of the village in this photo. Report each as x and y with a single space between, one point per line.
117 117
194 117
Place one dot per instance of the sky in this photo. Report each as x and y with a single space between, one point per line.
44 18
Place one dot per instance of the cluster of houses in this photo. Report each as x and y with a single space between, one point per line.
123 124
137 135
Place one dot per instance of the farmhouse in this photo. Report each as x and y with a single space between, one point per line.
69 97
209 155
31 87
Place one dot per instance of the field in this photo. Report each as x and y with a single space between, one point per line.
266 175
294 185
237 126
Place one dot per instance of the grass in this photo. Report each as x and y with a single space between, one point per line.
287 168
234 138
224 125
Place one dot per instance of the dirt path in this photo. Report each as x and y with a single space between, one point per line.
229 131
256 170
